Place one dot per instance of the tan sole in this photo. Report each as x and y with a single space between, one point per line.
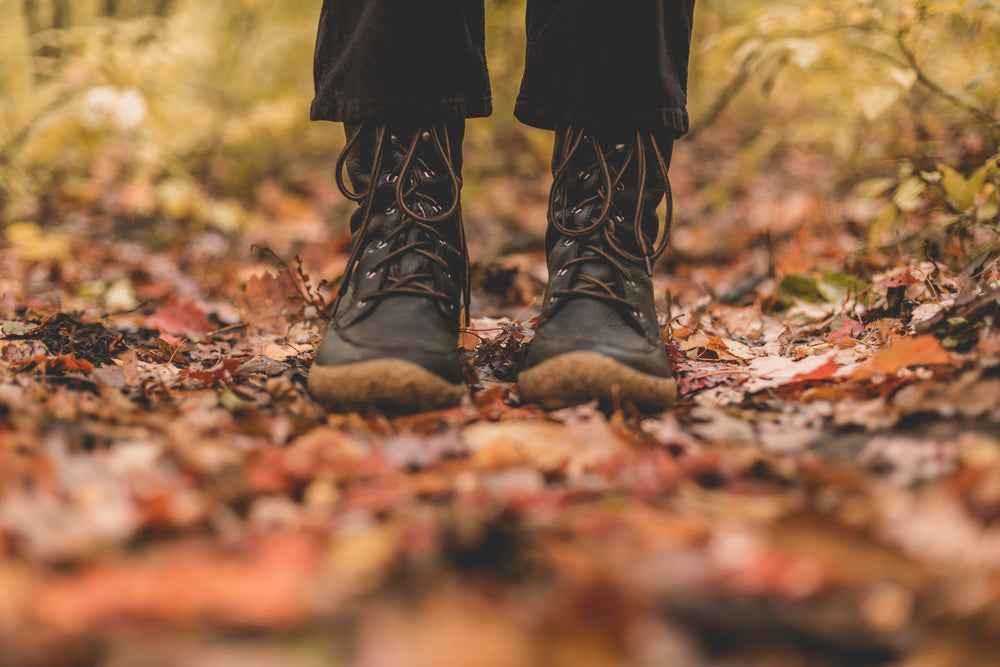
392 383
578 377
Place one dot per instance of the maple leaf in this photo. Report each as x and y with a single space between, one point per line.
267 298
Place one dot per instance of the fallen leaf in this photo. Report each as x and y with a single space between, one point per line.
904 352
180 318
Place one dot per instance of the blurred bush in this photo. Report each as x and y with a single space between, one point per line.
184 104
902 97
177 94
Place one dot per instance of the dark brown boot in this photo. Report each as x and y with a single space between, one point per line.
597 336
392 340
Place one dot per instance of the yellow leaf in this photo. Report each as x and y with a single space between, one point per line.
882 223
962 191
907 195
905 78
876 100
35 244
873 187
954 185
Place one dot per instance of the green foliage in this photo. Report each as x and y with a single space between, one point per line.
182 95
832 287
904 91
834 74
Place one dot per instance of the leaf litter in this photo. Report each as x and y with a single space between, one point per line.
825 492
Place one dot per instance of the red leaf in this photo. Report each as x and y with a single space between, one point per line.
180 318
219 374
850 329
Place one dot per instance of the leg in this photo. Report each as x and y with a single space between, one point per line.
382 60
600 63
611 82
403 80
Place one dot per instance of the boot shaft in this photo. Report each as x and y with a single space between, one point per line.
611 181
407 236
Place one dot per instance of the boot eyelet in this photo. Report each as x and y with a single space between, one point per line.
620 187
392 209
575 210
637 314
391 178
619 219
619 147
562 272
381 244
425 135
583 176
393 139
552 299
428 174
569 242
370 275
631 283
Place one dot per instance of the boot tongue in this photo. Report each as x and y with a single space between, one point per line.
414 262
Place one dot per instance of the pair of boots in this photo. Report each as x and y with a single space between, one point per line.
393 337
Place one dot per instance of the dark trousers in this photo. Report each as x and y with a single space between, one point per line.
592 63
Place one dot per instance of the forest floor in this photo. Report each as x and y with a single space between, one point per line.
826 492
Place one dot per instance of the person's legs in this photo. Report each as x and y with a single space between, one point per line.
402 76
602 63
385 60
610 78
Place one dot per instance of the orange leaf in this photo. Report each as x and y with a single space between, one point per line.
904 353
824 372
67 362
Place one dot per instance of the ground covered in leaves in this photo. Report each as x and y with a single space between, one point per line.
826 492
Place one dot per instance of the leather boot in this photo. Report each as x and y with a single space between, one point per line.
597 336
392 340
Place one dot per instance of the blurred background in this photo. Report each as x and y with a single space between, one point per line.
172 117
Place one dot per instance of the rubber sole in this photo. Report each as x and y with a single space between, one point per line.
579 377
386 383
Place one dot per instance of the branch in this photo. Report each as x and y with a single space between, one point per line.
7 149
934 87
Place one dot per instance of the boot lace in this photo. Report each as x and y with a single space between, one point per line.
606 219
418 208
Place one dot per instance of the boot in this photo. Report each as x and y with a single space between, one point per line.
392 340
597 336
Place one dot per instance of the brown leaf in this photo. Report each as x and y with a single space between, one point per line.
268 297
